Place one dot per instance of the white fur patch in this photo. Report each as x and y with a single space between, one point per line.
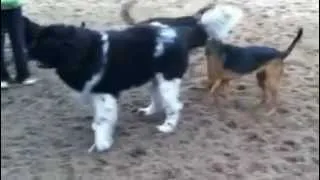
105 118
159 49
105 39
219 21
166 35
158 24
95 79
169 91
85 94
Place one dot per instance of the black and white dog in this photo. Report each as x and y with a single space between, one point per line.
102 65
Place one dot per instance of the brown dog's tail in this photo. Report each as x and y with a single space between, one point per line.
125 14
287 52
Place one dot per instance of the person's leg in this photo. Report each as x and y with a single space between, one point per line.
4 72
16 34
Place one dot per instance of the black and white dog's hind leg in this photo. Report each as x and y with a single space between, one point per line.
156 104
165 96
165 92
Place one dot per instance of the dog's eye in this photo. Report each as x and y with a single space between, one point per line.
67 44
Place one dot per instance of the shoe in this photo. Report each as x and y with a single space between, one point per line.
29 81
4 84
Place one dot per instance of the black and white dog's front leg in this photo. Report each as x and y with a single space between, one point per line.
104 122
169 91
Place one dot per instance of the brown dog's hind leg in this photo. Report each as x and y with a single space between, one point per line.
273 95
272 82
206 83
215 86
225 84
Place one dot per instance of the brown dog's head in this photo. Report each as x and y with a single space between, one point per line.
202 10
218 22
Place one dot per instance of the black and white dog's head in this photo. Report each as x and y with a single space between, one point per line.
56 46
32 32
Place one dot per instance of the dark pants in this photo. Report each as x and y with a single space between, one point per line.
12 22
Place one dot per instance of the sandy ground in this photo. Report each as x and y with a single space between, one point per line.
45 132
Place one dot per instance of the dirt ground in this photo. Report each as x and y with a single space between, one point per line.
45 132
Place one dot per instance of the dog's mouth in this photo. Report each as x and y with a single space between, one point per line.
39 64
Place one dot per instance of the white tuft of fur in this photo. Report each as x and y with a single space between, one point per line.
219 21
166 35
95 79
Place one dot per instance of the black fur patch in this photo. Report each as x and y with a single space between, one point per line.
31 30
241 60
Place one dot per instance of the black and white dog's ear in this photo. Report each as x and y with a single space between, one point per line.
83 24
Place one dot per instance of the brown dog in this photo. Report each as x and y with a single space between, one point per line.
226 62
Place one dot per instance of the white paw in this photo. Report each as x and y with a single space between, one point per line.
104 145
103 139
101 147
166 128
146 111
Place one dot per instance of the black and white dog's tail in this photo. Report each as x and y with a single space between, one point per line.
219 21
125 12
128 19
